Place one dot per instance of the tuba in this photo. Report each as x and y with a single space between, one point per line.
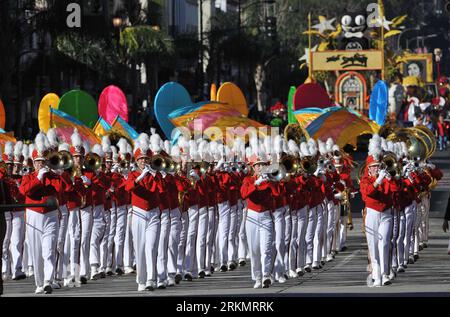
417 147
294 131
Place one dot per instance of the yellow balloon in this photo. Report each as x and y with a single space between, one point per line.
231 94
49 100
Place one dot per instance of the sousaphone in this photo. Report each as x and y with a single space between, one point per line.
294 131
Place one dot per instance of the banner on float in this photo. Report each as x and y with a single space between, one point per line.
347 60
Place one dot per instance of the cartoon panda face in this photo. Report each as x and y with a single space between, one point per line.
354 23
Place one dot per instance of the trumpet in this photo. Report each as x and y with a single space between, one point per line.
124 164
92 162
158 162
26 170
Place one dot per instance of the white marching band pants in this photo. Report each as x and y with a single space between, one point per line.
291 264
331 225
318 235
398 237
232 248
278 244
287 236
325 214
128 252
378 226
410 212
98 231
210 237
74 242
104 241
13 244
42 230
202 233
302 224
223 231
145 228
86 229
116 237
309 238
242 239
164 235
62 257
191 238
174 238
182 242
259 229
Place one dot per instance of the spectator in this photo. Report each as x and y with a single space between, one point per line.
445 224
442 132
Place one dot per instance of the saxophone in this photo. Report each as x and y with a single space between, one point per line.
347 207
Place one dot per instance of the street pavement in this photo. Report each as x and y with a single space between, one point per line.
345 276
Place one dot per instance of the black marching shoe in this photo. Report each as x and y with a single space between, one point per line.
212 269
188 277
119 271
242 263
416 257
201 274
178 278
83 279
223 268
48 289
102 275
232 266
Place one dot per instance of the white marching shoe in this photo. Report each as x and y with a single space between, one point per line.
281 280
170 281
386 280
129 270
258 284
292 274
393 275
329 258
141 287
377 283
39 290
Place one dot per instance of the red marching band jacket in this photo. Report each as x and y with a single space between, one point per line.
381 197
13 189
38 191
259 198
119 195
145 193
223 184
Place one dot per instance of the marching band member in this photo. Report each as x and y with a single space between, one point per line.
203 210
76 200
242 216
292 207
328 205
212 212
258 192
99 186
109 211
15 233
120 199
377 189
223 206
144 187
129 260
6 260
28 168
5 198
41 223
234 194
175 185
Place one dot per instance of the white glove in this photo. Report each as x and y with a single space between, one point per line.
338 196
115 168
219 165
163 174
41 173
193 174
431 165
381 175
58 171
145 171
85 180
352 195
112 189
260 180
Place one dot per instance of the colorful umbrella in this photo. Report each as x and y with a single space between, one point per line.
81 106
50 100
